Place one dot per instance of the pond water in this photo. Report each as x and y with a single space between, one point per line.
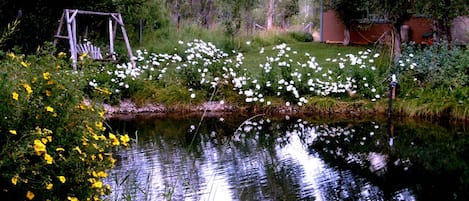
231 157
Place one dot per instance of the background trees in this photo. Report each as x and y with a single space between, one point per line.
39 18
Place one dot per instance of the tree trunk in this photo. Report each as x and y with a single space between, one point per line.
396 44
346 36
270 14
206 14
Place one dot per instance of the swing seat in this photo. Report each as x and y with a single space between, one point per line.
92 51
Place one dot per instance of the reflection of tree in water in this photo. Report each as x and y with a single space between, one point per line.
256 168
360 164
428 160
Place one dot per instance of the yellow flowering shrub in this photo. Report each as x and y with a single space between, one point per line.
53 145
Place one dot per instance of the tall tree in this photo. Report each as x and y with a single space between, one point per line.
286 10
206 13
395 12
233 13
443 12
270 14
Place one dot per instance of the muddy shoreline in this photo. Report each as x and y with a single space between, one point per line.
127 108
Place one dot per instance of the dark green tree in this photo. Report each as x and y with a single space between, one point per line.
443 12
286 10
39 19
232 13
395 12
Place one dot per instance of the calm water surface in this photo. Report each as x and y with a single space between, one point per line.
283 158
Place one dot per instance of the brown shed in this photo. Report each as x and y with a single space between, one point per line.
366 33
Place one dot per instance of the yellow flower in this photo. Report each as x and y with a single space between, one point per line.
82 106
114 139
102 174
48 93
49 186
15 96
103 90
38 130
112 160
62 54
46 75
24 64
60 149
97 184
44 140
72 198
99 125
125 139
50 109
77 149
61 179
14 179
83 56
47 131
48 158
101 114
13 132
11 55
27 88
30 195
39 147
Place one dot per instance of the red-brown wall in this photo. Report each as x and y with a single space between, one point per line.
369 33
419 26
333 30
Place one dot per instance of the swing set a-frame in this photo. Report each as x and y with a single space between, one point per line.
69 17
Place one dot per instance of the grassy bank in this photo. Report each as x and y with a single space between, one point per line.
261 73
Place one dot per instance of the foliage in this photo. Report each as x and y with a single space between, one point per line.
53 143
436 66
39 19
8 32
443 11
151 13
288 8
347 11
301 36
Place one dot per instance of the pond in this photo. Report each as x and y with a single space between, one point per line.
232 157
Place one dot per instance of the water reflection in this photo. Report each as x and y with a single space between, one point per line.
228 158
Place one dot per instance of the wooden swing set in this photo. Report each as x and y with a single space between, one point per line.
94 52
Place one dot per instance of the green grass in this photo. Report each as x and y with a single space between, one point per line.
319 50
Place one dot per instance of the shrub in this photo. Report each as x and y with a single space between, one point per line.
302 36
52 142
439 65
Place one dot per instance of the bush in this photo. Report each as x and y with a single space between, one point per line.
439 65
301 36
52 142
